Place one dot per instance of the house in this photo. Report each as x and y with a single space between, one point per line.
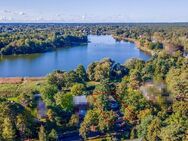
151 90
172 48
185 54
80 105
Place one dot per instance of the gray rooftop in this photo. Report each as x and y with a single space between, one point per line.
79 100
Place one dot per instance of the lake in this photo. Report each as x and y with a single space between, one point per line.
69 58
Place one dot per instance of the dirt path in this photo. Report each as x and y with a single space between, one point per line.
41 107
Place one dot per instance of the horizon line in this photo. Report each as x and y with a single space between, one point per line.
92 22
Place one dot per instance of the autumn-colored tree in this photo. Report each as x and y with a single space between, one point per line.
153 130
90 120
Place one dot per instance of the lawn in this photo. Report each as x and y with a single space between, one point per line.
11 91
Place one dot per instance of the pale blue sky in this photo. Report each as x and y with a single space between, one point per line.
93 10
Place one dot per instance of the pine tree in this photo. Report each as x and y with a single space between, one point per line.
81 72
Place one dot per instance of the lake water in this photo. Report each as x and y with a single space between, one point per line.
69 58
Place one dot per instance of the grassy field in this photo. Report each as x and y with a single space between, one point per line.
9 90
13 90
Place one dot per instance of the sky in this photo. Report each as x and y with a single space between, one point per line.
93 11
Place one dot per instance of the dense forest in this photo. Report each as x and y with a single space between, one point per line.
135 100
27 40
34 38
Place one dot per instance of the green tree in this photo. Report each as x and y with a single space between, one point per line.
51 114
103 88
90 120
102 93
155 45
176 125
56 78
23 124
153 130
53 135
134 64
148 72
70 78
173 133
81 72
74 120
91 71
27 99
48 92
135 79
177 83
107 121
65 101
42 134
103 69
78 89
9 131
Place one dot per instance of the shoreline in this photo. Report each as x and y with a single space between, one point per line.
19 80
136 42
45 51
22 79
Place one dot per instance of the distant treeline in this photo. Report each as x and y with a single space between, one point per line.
31 38
16 40
171 37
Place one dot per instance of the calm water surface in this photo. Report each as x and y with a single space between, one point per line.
68 58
